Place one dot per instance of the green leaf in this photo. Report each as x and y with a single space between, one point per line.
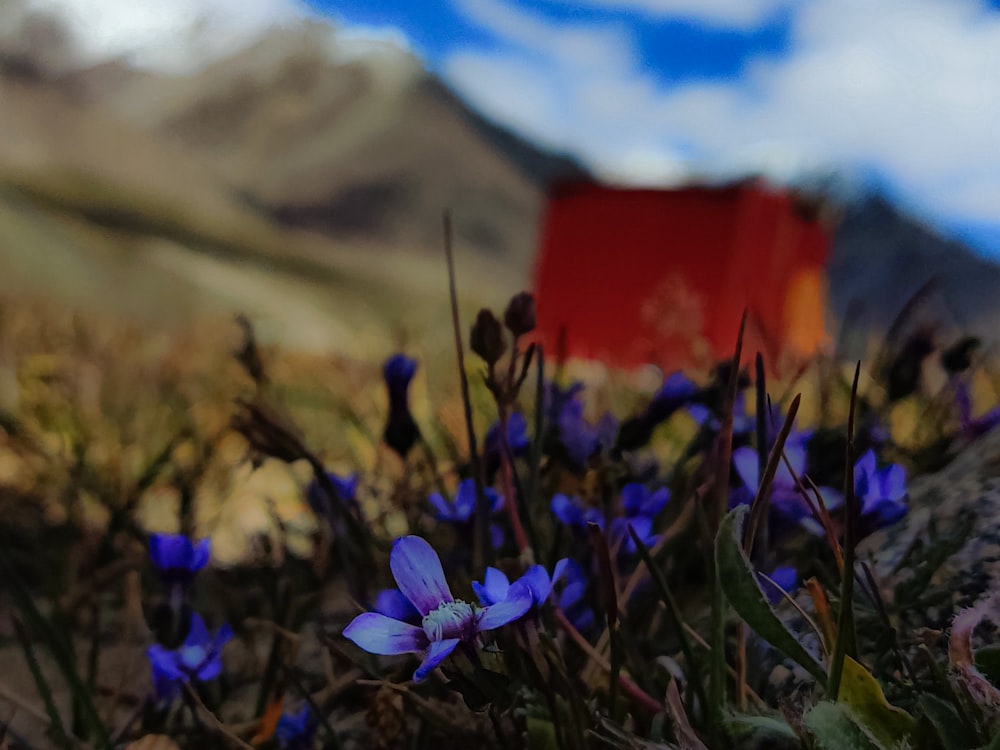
740 584
540 734
745 726
835 729
951 730
42 627
57 729
861 692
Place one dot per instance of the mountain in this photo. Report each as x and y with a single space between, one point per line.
346 142
884 264
301 180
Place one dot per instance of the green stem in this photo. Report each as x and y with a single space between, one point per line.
845 622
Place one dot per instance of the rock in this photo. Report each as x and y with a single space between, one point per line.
945 554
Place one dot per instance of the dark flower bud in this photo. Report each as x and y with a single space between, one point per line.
486 338
248 355
958 358
401 431
520 314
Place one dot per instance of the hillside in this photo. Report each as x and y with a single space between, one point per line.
881 258
299 184
347 143
302 180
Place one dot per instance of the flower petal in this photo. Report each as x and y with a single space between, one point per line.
560 569
893 484
537 579
443 510
164 662
633 497
378 634
418 573
197 632
223 636
200 554
518 601
392 603
494 499
700 413
494 588
496 536
211 669
884 513
437 653
465 500
745 461
169 550
656 502
567 510
796 454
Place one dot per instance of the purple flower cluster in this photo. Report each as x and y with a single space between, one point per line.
517 440
177 560
881 493
578 439
462 510
496 587
640 508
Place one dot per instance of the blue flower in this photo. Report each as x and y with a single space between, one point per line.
973 427
392 603
401 431
517 439
676 391
785 577
743 423
572 512
198 658
880 492
295 731
176 557
346 488
496 587
462 510
579 439
573 597
788 507
641 508
446 621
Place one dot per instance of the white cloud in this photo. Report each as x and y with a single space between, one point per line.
173 35
739 14
573 45
910 88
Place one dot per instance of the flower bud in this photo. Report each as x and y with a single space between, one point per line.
520 314
486 338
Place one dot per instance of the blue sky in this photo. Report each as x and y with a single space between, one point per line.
900 93
673 49
904 94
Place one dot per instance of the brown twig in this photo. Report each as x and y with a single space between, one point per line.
630 688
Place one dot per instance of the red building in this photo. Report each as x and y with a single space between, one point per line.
636 276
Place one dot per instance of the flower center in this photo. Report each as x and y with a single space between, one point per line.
192 657
455 619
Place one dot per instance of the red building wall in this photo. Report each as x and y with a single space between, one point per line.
663 276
